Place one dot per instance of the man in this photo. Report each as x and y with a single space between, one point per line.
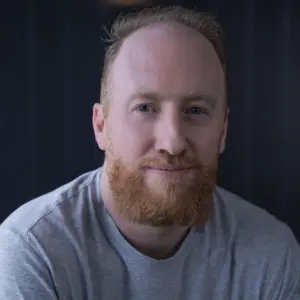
151 223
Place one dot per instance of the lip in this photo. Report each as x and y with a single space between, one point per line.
169 168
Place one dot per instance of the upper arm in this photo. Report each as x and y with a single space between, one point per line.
24 274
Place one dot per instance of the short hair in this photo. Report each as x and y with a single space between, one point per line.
125 25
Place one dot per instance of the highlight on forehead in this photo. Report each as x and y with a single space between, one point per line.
126 24
187 97
145 68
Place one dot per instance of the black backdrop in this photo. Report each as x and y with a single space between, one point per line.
50 63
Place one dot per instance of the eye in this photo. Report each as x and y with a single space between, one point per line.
146 108
196 110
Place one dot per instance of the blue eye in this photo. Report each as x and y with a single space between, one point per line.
195 110
145 108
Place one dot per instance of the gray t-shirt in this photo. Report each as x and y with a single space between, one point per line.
64 245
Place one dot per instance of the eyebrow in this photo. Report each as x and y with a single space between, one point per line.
189 97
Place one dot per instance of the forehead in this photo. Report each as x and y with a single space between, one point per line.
167 59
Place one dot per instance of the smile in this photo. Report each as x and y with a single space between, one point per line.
169 168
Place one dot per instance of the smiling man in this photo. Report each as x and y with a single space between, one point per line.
151 223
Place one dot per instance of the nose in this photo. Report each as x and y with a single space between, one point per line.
170 136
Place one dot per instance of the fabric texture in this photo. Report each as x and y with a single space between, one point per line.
64 245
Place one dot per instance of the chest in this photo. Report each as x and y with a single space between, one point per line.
111 276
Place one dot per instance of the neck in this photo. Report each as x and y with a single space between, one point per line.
155 242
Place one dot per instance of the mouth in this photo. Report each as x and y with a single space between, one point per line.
169 168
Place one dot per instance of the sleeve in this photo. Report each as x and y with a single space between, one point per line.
23 273
286 283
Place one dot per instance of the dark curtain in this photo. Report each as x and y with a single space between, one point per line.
50 64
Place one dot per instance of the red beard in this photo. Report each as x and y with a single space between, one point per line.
180 203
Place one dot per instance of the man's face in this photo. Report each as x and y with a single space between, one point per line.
166 126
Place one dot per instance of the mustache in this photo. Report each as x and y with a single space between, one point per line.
176 162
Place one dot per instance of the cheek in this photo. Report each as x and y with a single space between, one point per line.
129 139
207 144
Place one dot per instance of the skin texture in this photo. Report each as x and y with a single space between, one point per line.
163 135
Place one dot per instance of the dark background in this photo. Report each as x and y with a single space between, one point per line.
51 56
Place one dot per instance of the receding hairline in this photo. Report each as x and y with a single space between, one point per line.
127 25
177 29
166 26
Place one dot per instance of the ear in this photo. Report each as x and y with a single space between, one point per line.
99 126
224 133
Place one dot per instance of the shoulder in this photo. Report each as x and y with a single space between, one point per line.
250 223
262 245
41 234
52 207
248 218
